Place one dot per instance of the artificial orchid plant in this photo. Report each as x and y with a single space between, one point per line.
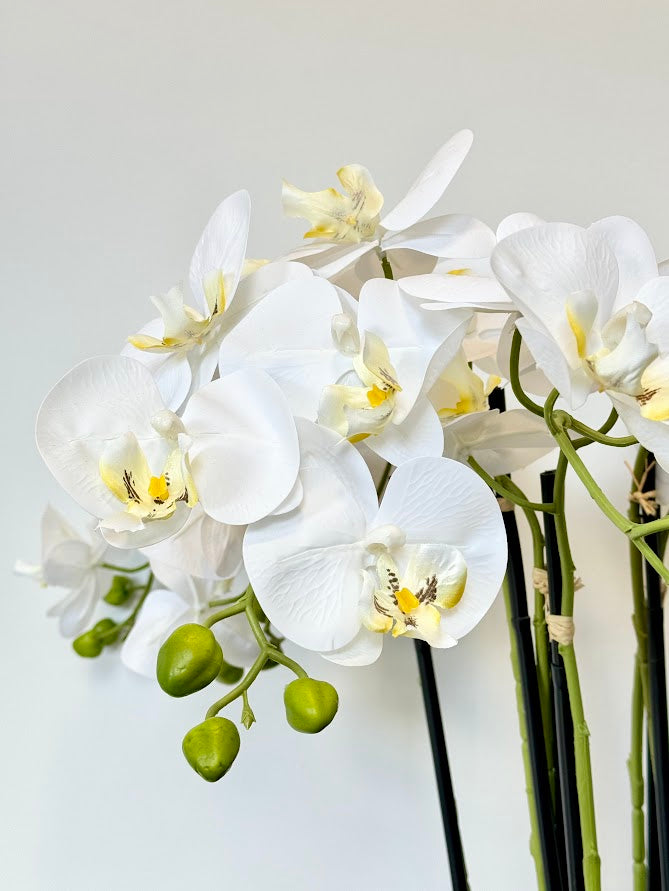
313 452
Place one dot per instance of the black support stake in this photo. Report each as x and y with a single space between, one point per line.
564 728
532 707
449 813
658 724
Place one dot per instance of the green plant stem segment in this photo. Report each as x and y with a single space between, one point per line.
501 486
124 569
535 847
248 604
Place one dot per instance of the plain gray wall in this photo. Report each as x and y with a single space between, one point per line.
123 126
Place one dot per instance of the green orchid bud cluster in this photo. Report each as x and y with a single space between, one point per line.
92 642
191 658
107 632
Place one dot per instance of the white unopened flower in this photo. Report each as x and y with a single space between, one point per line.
71 561
340 571
106 436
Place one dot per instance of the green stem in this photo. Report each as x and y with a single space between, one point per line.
584 788
231 610
619 520
503 489
124 569
224 601
586 800
518 392
121 632
535 846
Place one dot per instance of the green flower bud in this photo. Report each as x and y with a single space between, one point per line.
190 658
310 705
211 747
120 591
230 674
106 630
87 645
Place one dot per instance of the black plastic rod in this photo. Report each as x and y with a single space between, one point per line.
658 724
449 812
564 728
522 630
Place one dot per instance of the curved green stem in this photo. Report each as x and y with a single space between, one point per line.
124 569
232 610
503 489
518 392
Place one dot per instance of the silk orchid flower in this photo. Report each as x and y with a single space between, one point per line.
106 436
181 347
339 572
595 317
349 228
500 442
365 379
71 561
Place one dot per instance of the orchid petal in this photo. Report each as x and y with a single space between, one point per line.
452 235
97 400
419 434
637 263
289 336
431 183
364 649
244 454
306 566
221 249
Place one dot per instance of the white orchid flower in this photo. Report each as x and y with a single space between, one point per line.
181 347
366 380
595 317
350 229
106 436
338 572
71 561
500 442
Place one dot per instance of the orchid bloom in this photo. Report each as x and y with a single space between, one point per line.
71 561
366 379
349 227
500 442
181 347
106 436
339 572
594 316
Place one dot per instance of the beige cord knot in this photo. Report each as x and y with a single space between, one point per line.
540 580
504 504
560 628
645 499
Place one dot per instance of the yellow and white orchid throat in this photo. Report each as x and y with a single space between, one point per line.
184 326
352 217
460 391
125 471
363 405
412 604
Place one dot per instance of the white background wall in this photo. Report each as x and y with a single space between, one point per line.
123 126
